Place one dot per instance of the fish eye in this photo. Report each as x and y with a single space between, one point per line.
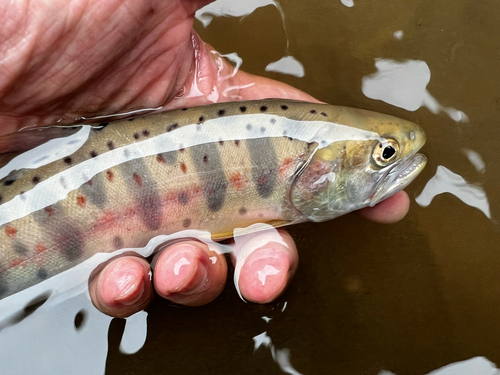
385 152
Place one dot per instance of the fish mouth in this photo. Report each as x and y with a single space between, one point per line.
398 177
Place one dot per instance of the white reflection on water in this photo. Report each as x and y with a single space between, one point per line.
473 366
280 356
398 34
403 84
287 65
475 159
445 181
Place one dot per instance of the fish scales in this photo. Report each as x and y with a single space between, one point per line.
211 168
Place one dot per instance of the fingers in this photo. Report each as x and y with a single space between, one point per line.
122 287
388 211
189 273
265 263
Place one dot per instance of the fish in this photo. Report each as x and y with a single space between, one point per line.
108 186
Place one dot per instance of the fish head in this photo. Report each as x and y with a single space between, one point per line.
360 168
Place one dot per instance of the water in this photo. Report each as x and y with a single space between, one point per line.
406 298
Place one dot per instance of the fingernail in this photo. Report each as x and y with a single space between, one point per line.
131 293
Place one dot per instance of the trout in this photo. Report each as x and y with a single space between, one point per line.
100 188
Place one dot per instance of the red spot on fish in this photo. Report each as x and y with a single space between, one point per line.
10 231
110 175
183 167
286 164
160 159
237 143
40 248
171 196
49 211
105 220
16 262
137 179
237 180
81 200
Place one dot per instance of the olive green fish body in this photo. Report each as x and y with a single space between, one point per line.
211 168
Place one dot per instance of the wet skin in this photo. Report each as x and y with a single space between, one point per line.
62 60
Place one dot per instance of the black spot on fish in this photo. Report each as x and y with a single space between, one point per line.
290 138
80 319
221 143
324 114
284 107
186 223
263 108
242 211
205 159
221 112
184 109
237 143
110 145
8 182
131 119
117 242
172 127
42 274
136 135
313 111
36 180
67 160
272 121
243 109
20 249
93 154
183 198
249 126
145 133
201 120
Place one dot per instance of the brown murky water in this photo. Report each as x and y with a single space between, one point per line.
409 297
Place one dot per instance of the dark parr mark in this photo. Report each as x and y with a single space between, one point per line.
243 109
221 112
95 191
20 249
172 127
263 108
72 245
117 242
284 107
67 160
186 223
265 164
242 211
183 198
110 145
212 176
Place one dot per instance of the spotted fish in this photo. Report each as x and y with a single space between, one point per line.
218 167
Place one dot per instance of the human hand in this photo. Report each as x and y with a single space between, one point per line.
63 60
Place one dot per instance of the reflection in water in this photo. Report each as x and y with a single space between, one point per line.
348 3
280 356
398 34
445 181
473 366
403 84
135 333
475 159
287 65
